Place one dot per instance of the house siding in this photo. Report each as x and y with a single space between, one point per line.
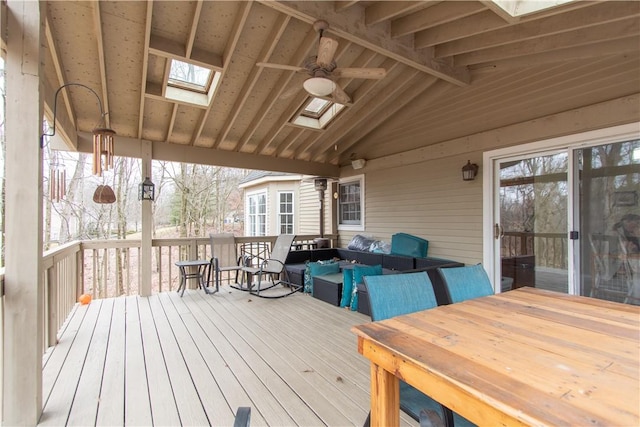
421 192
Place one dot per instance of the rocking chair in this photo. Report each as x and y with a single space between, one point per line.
272 267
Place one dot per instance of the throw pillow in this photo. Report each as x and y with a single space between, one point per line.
318 268
347 286
359 271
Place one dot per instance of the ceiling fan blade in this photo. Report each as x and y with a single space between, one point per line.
360 73
326 50
340 95
282 67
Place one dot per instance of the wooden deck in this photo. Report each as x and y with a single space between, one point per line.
166 360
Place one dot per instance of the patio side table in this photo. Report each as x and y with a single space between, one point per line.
195 269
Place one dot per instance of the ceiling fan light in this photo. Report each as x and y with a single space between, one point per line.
319 86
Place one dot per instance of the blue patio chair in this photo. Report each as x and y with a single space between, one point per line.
394 295
243 417
463 283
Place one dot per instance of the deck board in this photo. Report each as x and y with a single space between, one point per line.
167 360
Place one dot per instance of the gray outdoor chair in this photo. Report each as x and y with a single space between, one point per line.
272 267
224 256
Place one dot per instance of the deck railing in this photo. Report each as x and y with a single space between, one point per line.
550 249
111 268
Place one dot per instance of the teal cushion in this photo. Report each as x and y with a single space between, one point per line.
347 286
359 271
318 269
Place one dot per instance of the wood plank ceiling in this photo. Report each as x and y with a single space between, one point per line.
454 68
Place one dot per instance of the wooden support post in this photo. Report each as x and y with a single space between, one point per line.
24 311
147 224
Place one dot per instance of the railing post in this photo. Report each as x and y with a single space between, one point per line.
52 305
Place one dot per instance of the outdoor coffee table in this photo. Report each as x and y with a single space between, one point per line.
194 269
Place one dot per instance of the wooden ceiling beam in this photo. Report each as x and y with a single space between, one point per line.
465 27
144 66
386 10
340 6
436 15
581 37
373 38
194 29
254 76
164 151
103 68
60 73
594 50
170 49
598 14
238 25
415 87
288 141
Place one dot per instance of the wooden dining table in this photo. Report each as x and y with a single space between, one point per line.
524 357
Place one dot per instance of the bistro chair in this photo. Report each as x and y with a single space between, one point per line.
463 283
224 256
274 268
393 295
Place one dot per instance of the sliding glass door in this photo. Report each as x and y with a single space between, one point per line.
568 219
533 200
609 216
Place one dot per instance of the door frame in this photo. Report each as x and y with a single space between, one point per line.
491 185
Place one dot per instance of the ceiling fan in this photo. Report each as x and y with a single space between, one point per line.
323 69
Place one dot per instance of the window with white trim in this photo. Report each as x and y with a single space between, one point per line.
351 203
257 214
285 212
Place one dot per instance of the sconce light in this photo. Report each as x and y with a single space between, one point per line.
358 163
469 171
102 136
146 190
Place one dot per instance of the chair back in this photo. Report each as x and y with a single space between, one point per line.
279 252
223 247
463 283
393 295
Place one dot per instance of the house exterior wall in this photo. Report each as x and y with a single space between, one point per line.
422 193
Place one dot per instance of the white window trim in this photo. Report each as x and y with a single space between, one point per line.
247 213
293 210
350 227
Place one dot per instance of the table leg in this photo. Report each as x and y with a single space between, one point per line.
183 280
385 398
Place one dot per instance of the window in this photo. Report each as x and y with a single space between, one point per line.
285 212
351 204
189 76
257 215
317 113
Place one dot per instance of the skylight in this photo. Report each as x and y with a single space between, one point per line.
190 83
317 113
189 76
517 8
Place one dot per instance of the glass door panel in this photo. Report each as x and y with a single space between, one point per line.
533 222
609 215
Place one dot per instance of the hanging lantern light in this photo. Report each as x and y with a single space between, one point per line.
146 190
104 194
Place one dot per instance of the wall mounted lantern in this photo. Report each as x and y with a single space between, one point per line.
146 190
469 171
